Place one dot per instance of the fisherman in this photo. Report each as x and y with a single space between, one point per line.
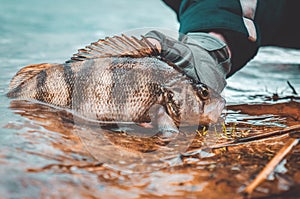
220 37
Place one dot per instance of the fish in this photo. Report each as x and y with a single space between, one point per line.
120 79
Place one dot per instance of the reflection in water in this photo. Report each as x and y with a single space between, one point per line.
104 162
124 147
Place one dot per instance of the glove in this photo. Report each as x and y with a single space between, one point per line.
201 56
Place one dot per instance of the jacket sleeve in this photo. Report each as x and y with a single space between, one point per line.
174 4
234 19
245 24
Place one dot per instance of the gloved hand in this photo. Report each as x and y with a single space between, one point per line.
202 56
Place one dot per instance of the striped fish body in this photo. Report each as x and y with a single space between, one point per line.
123 87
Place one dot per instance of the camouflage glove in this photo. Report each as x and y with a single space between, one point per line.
201 56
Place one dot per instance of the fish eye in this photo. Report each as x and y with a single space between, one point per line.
203 91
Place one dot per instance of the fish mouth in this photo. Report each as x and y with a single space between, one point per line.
212 112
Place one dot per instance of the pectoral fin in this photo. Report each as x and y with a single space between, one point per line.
165 124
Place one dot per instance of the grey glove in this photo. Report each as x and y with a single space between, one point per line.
201 56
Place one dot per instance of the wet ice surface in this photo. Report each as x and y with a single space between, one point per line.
266 77
43 153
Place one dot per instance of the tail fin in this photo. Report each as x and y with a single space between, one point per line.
24 75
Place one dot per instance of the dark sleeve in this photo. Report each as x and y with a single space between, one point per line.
174 4
276 22
279 23
245 24
211 14
225 17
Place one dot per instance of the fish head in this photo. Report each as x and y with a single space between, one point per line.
212 104
199 105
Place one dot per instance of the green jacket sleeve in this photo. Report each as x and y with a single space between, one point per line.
230 19
245 24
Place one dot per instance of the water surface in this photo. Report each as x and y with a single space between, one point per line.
41 154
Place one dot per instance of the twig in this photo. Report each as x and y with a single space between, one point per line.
293 89
257 137
271 165
245 140
287 131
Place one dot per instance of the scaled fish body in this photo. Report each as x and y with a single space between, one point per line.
120 79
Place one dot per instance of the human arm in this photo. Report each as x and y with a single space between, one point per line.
238 21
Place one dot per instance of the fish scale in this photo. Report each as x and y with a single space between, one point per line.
120 79
123 94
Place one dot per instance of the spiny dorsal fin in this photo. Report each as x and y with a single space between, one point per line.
117 46
27 73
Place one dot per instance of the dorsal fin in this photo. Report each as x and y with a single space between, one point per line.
27 73
116 46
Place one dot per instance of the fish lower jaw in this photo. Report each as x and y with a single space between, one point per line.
212 114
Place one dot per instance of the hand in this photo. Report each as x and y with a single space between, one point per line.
202 56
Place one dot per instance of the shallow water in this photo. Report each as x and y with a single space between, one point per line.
44 154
